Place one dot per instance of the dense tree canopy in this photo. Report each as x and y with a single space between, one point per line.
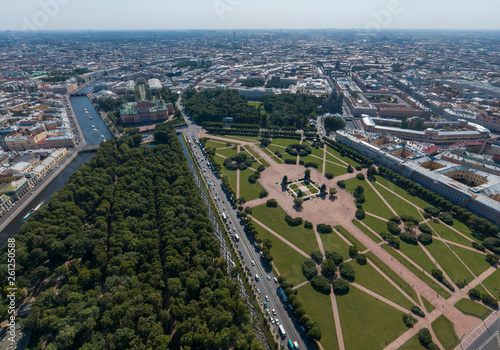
124 257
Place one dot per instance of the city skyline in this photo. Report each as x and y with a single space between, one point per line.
35 15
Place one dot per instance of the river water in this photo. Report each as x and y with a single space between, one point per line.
92 136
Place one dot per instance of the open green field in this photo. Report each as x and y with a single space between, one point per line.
412 344
284 142
318 152
248 190
433 284
287 260
368 277
449 262
351 238
230 174
285 155
471 308
227 152
363 326
319 307
460 226
335 169
445 332
274 218
312 159
255 104
402 192
492 284
256 156
373 202
446 233
366 231
332 241
476 262
428 306
215 144
345 159
416 253
405 286
401 206
375 224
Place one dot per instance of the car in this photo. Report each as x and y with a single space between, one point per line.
272 320
274 312
230 222
265 306
234 230
266 297
277 322
253 263
275 280
222 202
268 278
284 307
257 277
258 291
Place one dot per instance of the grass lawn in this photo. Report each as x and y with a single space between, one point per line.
286 259
293 186
285 142
227 152
255 104
474 261
345 159
230 174
368 277
363 326
400 206
332 241
415 253
273 149
318 152
445 332
256 156
335 169
319 307
492 283
433 284
366 231
375 224
471 308
412 344
402 192
405 286
274 218
248 190
428 306
373 202
351 238
449 262
447 233
215 144
313 160
460 226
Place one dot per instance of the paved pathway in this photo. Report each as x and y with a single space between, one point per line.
376 216
340 160
336 319
324 159
381 298
382 197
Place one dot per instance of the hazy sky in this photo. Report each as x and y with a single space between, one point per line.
239 14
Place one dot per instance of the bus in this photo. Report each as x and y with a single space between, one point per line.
224 216
290 345
282 331
282 294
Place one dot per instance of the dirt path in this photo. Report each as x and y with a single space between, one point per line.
376 216
324 159
336 319
371 230
381 298
458 245
318 239
300 285
340 160
434 261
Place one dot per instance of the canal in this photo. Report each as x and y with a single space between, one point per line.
92 136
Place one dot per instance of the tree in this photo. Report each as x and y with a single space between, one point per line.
263 193
272 203
328 268
350 169
347 271
353 251
261 168
371 172
321 284
492 259
307 174
300 194
329 176
336 257
360 214
284 182
309 268
360 176
361 259
323 188
298 201
340 286
333 191
424 337
474 294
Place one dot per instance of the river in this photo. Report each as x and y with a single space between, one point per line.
79 103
